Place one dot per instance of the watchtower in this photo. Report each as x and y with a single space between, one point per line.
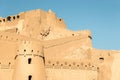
29 61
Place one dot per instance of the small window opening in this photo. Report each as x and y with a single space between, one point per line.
85 65
101 58
18 16
30 77
0 20
29 61
72 34
61 64
24 50
90 37
4 20
77 65
31 50
53 64
69 65
60 19
16 29
97 68
15 56
14 17
8 18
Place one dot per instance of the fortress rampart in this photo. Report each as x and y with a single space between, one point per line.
36 45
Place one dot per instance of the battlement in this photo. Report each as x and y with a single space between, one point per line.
36 16
36 45
67 64
9 19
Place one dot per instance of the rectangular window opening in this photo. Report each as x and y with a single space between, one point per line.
30 77
29 61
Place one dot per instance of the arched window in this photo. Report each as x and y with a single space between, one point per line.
29 60
30 77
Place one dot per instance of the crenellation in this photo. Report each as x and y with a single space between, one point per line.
37 45
9 19
70 65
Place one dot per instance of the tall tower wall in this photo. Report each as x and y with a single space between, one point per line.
29 62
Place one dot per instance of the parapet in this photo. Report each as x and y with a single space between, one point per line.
9 19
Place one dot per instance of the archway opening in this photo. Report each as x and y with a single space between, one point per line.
29 60
30 77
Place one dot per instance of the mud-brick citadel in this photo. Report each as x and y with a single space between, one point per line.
36 45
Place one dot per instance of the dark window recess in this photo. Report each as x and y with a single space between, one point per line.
18 16
85 65
0 20
8 18
31 50
15 56
13 17
16 29
61 64
72 34
60 19
69 65
77 65
97 68
4 20
101 58
29 61
24 50
30 77
90 37
53 64
44 60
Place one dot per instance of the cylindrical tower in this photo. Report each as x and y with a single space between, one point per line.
29 61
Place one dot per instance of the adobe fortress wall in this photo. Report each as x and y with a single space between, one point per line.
66 52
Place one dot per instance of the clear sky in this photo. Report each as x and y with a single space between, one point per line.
102 17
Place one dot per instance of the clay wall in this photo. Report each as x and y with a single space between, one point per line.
7 54
61 48
76 69
11 22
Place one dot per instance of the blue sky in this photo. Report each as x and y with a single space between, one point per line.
102 17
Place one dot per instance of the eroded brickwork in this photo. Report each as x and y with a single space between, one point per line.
36 45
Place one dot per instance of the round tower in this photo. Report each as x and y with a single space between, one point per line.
29 61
